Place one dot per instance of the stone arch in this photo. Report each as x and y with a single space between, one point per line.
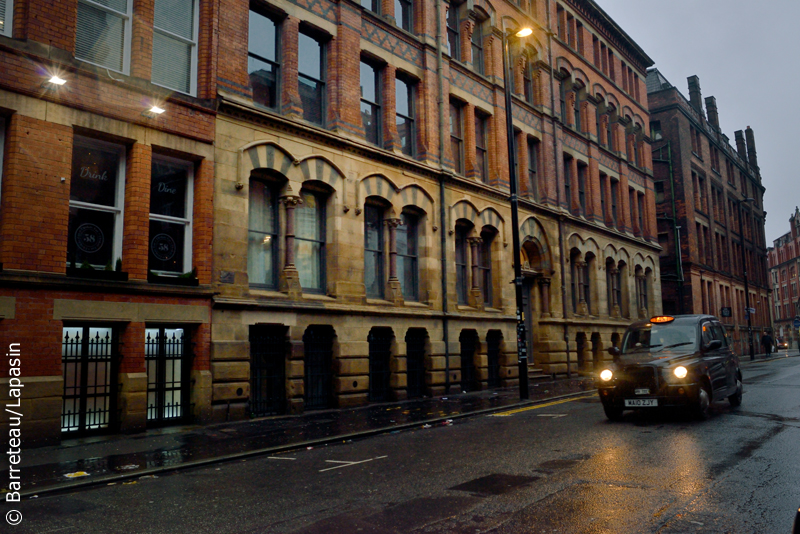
579 77
463 209
376 185
266 155
627 112
490 217
321 169
533 232
599 92
638 121
564 67
584 246
415 195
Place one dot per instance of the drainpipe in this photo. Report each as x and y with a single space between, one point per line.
442 210
558 190
677 229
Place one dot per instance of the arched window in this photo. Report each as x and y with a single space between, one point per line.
485 265
262 235
408 256
461 263
310 240
374 250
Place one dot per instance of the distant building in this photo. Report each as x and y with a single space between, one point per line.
701 185
784 265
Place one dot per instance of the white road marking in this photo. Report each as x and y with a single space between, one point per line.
348 464
553 415
280 458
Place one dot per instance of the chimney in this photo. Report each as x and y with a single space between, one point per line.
711 108
751 148
695 98
740 144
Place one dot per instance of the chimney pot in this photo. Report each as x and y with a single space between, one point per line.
695 96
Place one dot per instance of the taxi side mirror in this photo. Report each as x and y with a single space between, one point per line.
614 351
714 344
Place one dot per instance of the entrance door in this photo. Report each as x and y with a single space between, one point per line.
380 353
469 343
415 361
167 375
318 349
493 342
89 356
267 370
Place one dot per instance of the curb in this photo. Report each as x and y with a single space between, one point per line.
117 477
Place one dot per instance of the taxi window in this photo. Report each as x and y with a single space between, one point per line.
719 333
708 333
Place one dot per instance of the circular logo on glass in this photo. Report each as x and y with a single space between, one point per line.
89 238
163 247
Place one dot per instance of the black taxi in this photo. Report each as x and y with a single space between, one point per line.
680 361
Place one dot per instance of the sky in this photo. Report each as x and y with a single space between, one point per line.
746 55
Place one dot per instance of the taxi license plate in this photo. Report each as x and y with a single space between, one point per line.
640 403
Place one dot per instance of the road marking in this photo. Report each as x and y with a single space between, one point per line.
348 464
553 415
279 458
536 407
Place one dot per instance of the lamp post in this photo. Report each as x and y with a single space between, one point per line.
522 350
746 287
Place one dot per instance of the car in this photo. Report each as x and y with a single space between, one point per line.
781 344
680 361
796 527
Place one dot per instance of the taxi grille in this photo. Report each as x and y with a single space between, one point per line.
639 376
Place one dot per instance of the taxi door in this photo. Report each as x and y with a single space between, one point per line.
715 360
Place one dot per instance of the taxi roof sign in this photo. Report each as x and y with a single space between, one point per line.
662 319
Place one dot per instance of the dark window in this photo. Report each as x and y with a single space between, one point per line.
457 136
461 264
453 33
268 346
373 251
311 78
527 81
263 60
407 257
610 132
167 374
640 200
477 48
404 14
533 166
318 353
380 356
404 102
371 103
170 216
485 266
659 187
603 185
568 183
481 150
578 125
262 236
582 188
310 241
372 5
614 201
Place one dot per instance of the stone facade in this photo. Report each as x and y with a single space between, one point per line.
784 265
702 184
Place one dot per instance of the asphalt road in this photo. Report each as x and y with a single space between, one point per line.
560 467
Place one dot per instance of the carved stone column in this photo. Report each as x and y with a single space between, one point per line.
544 290
289 279
475 298
394 292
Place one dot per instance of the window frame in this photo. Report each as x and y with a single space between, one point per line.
457 140
404 19
186 221
8 24
377 106
411 87
453 32
462 268
379 253
118 210
126 39
193 56
485 266
533 167
321 198
411 255
482 152
275 235
476 48
322 84
275 64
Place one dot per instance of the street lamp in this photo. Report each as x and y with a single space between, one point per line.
746 287
522 350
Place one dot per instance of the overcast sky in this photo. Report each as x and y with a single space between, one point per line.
746 55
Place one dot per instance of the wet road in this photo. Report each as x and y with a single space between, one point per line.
557 467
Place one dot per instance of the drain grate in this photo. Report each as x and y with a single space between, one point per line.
496 484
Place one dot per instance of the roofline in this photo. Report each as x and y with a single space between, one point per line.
615 28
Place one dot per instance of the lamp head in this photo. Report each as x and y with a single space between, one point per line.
523 32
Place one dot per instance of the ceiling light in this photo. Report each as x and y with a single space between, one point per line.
55 80
155 110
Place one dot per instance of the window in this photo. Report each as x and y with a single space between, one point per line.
640 200
577 110
262 60
407 256
175 45
610 130
262 236
582 188
561 21
461 264
167 374
579 33
611 73
533 166
170 216
453 33
481 150
372 5
404 103
614 202
310 77
613 286
457 136
2 147
527 80
6 16
371 103
568 182
641 289
477 48
404 14
103 33
485 266
373 251
310 241
603 207
95 203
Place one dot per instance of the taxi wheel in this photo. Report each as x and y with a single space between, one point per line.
613 414
703 403
736 398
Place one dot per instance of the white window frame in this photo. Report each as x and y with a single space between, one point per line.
126 42
7 25
186 221
193 44
119 195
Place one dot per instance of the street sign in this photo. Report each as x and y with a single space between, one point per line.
750 310
796 321
726 311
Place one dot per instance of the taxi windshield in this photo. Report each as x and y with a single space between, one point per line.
660 337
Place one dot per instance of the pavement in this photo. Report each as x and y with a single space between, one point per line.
111 459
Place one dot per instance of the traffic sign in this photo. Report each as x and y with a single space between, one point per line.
796 321
726 311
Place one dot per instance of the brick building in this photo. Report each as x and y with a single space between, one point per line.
784 265
701 184
103 204
350 242
362 230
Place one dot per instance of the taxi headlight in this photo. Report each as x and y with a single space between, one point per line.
680 371
606 375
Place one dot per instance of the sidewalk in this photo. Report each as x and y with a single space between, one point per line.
113 458
744 359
